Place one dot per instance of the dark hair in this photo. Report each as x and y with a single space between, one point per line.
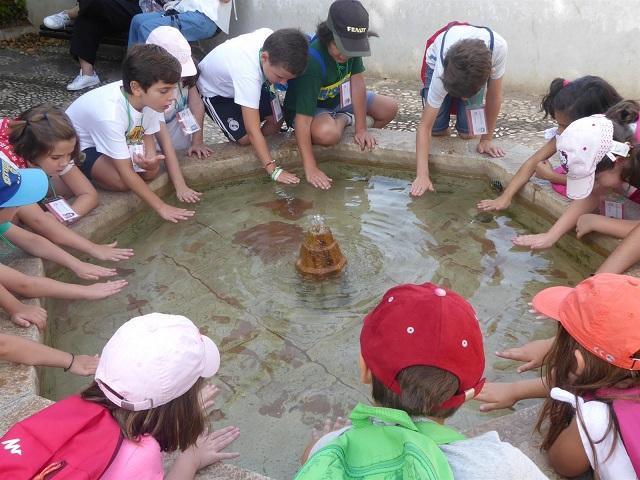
580 98
597 374
174 425
467 66
148 64
424 389
621 115
35 132
188 82
287 48
324 34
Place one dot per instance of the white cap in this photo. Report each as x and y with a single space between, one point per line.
154 359
582 146
173 42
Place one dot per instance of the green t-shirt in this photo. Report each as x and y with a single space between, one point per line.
4 227
312 90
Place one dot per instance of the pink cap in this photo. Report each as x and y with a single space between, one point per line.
173 42
582 145
154 359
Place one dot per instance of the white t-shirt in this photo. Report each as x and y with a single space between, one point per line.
596 419
232 69
179 139
484 457
101 120
462 32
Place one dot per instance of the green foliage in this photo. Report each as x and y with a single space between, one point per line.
12 12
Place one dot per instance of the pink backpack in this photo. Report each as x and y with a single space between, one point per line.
71 439
627 413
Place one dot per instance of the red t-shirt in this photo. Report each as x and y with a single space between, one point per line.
5 147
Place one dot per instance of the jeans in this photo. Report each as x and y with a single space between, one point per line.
442 120
193 25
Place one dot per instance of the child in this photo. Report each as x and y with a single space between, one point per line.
237 81
44 137
593 366
460 62
184 121
565 102
331 94
115 125
21 350
150 378
26 186
595 150
421 350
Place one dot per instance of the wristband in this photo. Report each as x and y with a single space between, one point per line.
276 173
73 357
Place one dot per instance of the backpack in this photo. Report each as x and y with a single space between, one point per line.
627 413
317 56
71 439
383 444
430 40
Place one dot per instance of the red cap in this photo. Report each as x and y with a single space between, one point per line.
602 313
424 325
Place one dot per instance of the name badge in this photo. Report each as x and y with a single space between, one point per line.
477 120
276 109
345 94
134 150
187 121
613 207
60 209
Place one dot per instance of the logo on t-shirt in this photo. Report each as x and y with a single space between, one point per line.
233 124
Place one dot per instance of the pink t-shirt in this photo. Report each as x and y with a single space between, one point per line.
140 460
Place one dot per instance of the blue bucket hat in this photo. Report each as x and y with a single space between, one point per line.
22 186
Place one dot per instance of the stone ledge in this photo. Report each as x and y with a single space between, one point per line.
19 384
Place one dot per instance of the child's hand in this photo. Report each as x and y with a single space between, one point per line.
26 315
199 150
494 205
88 271
532 353
174 214
103 290
421 184
317 433
209 446
148 163
544 170
587 223
110 253
487 146
365 140
496 396
84 365
185 194
208 393
288 178
535 242
318 178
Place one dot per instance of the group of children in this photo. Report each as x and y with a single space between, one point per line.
421 348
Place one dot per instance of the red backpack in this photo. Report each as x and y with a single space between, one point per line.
71 439
430 40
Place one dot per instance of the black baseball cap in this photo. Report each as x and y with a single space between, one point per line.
348 20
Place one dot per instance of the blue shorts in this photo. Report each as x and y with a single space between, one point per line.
348 109
442 120
90 156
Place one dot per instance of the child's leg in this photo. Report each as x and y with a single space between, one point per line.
441 124
195 26
462 124
625 256
143 24
327 129
383 109
105 175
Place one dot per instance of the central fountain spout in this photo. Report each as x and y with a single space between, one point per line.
320 254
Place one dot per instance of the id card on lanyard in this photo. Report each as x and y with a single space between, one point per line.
59 207
184 116
476 116
274 100
134 137
345 93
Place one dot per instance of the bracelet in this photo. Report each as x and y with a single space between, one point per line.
73 357
276 173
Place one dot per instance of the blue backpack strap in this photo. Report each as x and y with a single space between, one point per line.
316 54
491 39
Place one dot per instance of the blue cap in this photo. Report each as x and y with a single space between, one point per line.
21 186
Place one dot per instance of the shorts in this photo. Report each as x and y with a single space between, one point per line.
90 156
228 114
449 105
333 111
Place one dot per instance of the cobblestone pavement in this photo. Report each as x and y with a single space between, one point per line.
36 70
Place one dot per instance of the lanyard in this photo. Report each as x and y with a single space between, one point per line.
266 84
342 69
53 189
183 102
128 106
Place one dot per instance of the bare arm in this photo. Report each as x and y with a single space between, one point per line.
567 455
197 139
362 137
522 176
86 196
505 395
492 109
422 183
313 174
624 256
183 192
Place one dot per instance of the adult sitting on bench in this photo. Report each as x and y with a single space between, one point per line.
92 19
196 19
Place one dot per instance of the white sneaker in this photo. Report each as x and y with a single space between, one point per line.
57 21
84 81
